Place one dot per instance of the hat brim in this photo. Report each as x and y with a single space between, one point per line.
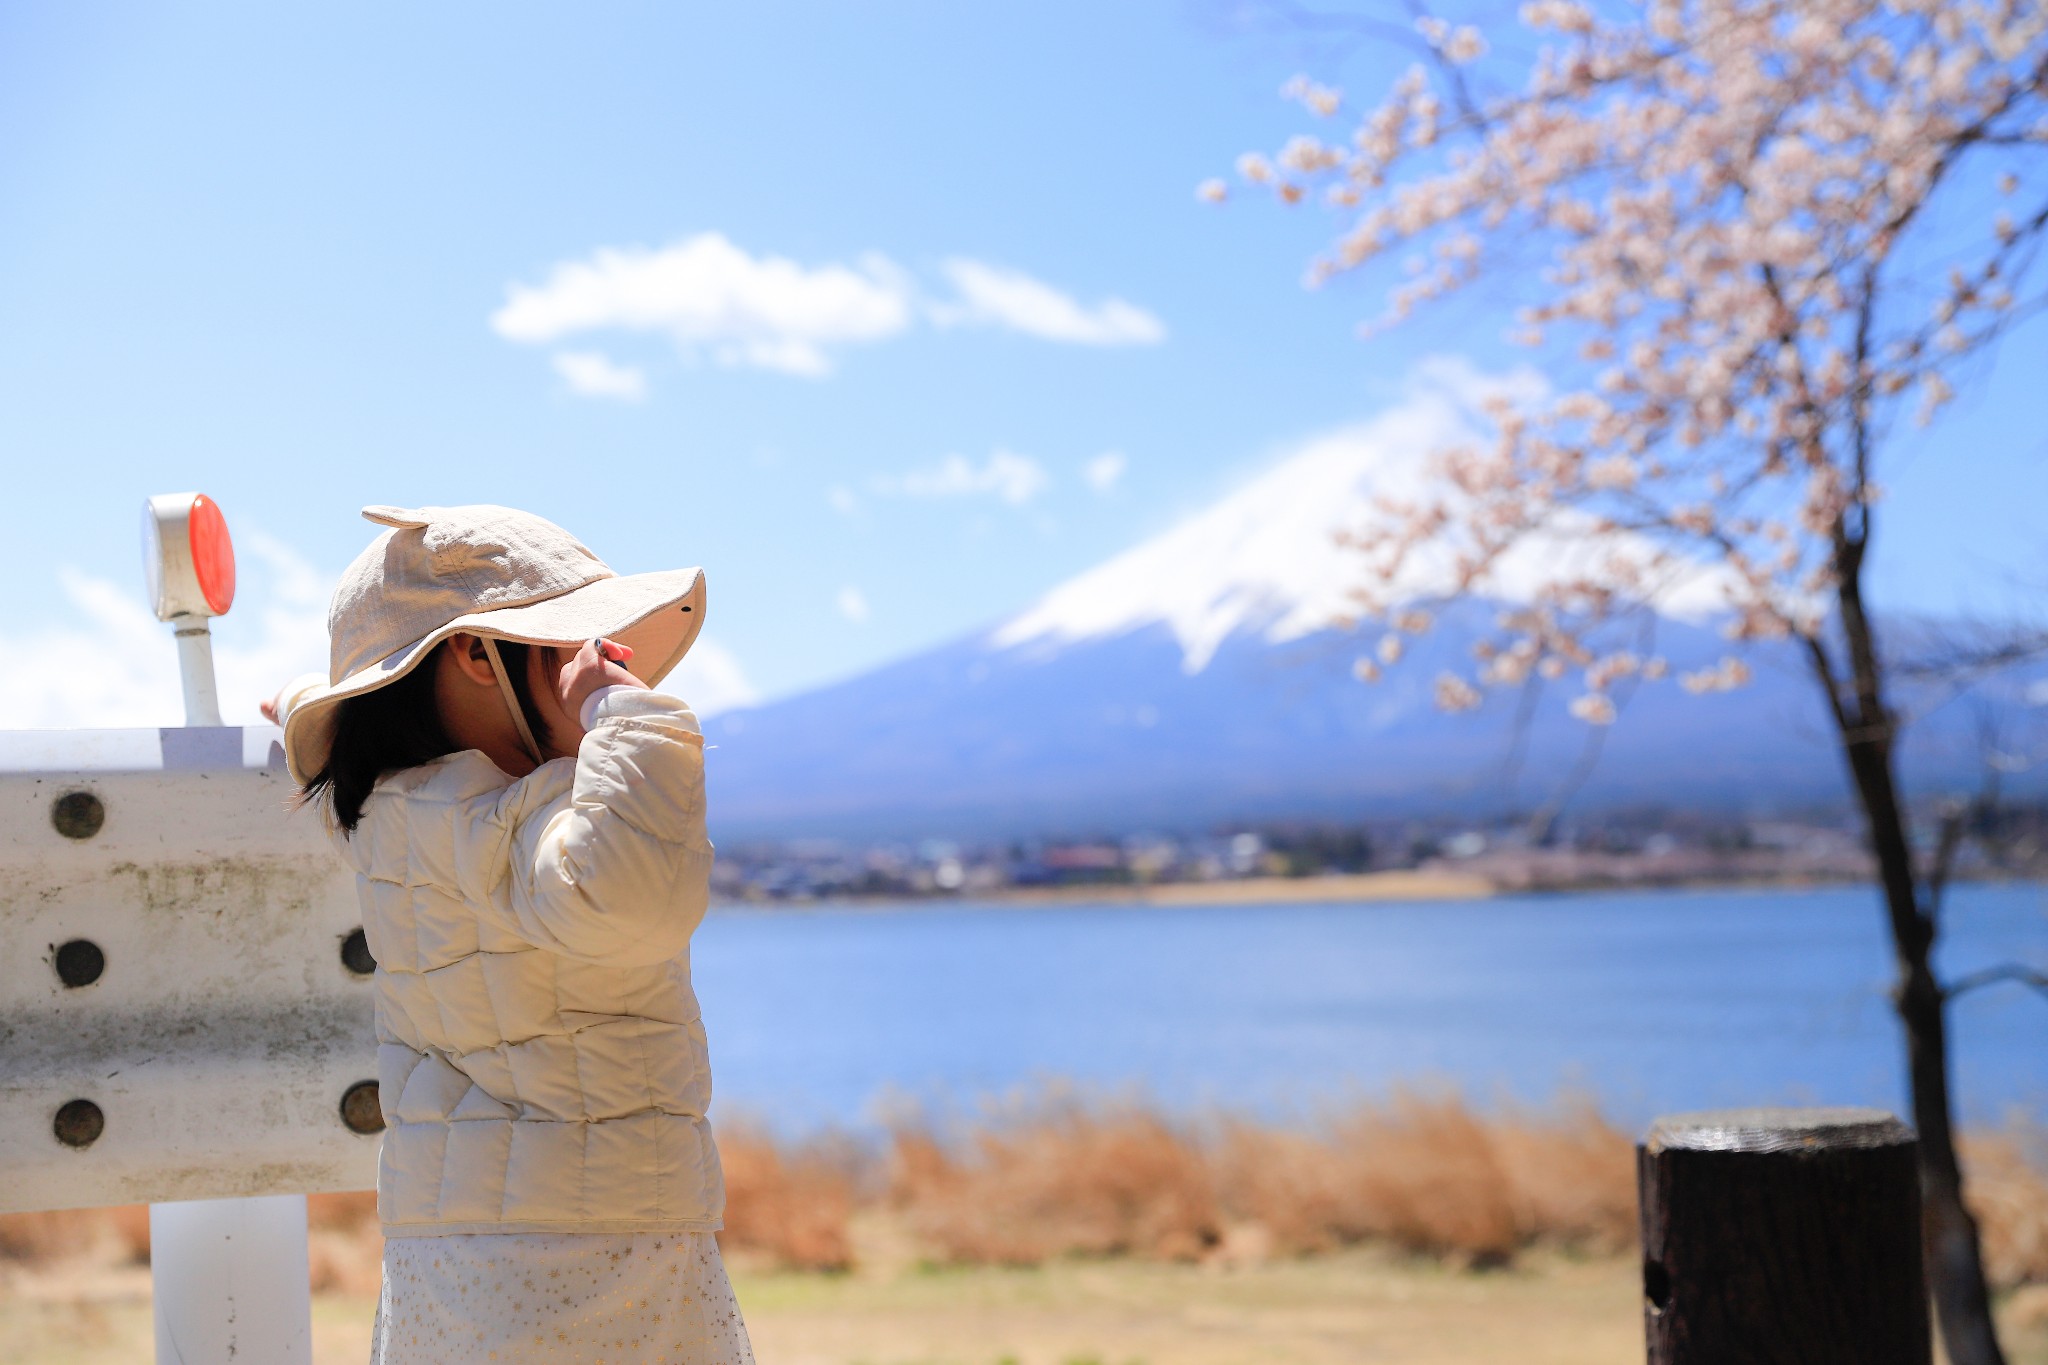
656 615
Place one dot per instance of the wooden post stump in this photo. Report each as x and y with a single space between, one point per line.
1782 1237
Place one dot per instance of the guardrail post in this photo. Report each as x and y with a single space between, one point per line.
229 1279
1782 1235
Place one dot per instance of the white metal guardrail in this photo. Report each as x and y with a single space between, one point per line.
185 997
185 1006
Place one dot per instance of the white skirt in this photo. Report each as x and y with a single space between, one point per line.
598 1299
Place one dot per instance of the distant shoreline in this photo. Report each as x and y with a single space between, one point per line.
1407 885
1352 886
1330 888
1321 888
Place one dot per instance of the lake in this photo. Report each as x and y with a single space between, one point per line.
1652 1001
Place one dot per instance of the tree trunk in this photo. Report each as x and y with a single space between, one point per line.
1955 1266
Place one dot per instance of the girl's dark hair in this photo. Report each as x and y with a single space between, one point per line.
398 727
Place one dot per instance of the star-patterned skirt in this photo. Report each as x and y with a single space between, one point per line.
577 1299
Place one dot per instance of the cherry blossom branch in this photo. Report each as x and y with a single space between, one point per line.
1722 192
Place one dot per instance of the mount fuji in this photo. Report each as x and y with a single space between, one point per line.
1198 679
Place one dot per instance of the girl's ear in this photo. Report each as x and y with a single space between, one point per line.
472 661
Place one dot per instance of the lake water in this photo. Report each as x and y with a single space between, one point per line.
1653 1001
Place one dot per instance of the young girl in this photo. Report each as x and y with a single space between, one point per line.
526 822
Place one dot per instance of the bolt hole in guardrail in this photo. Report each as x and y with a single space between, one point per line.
78 815
80 962
79 1124
360 1109
356 955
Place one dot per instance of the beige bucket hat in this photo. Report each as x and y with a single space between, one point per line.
493 572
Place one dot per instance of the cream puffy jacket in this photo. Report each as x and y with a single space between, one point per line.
541 1061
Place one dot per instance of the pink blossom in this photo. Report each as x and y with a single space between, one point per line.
1594 708
1319 99
1616 471
1465 46
1453 693
1725 676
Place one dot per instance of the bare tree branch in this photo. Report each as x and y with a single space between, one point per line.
2016 972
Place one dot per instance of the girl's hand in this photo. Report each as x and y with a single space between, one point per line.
288 696
597 664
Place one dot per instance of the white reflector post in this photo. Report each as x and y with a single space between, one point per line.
229 1275
195 671
189 561
230 1281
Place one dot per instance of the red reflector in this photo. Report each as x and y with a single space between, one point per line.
213 555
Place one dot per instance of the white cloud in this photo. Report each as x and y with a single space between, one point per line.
843 499
711 680
992 295
1102 472
595 375
767 312
277 631
715 299
853 604
1014 478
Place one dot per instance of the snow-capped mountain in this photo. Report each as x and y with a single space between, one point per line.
1198 678
1267 560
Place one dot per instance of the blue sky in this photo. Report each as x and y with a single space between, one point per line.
258 250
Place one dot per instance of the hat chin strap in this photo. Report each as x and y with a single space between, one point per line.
511 700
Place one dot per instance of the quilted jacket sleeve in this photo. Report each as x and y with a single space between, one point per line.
618 871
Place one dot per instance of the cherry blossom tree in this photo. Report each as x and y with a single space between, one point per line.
1754 237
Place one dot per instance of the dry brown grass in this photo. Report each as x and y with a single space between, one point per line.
1424 1174
789 1205
2007 1173
107 1236
1058 1178
1053 1175
1573 1177
345 1251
